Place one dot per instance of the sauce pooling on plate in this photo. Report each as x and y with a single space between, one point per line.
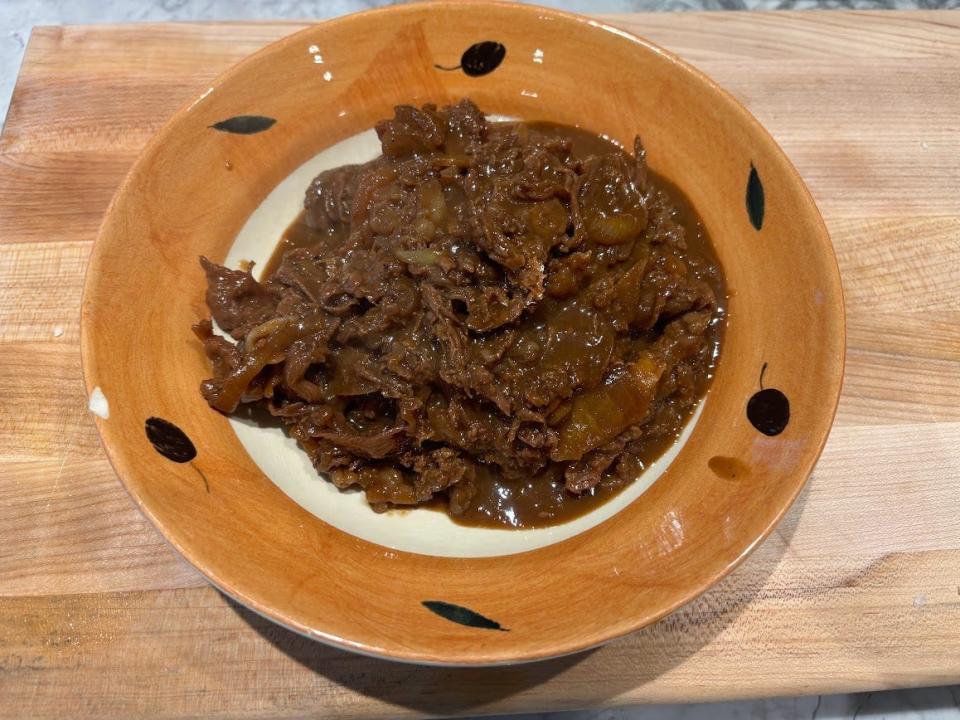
505 321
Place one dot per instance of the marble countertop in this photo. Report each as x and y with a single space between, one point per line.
17 17
924 704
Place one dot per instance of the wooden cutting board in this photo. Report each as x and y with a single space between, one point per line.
858 588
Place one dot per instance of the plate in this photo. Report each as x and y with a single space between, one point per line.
224 177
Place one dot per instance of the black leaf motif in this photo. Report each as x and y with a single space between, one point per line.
462 615
245 124
169 440
755 198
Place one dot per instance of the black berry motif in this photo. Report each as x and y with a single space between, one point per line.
479 59
769 409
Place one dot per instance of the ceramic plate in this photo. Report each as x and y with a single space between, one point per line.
226 175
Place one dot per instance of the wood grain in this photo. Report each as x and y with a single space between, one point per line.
859 587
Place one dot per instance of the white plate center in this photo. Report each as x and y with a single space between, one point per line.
420 531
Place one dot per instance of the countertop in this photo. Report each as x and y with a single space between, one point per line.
17 17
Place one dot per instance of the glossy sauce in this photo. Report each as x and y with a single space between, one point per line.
542 500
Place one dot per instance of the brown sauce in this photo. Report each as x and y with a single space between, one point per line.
612 364
300 235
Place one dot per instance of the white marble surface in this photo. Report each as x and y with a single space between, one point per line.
17 17
939 703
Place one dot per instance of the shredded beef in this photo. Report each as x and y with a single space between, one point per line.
507 317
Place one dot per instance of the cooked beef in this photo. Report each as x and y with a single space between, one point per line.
506 317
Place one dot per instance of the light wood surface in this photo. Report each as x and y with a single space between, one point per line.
144 290
859 587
